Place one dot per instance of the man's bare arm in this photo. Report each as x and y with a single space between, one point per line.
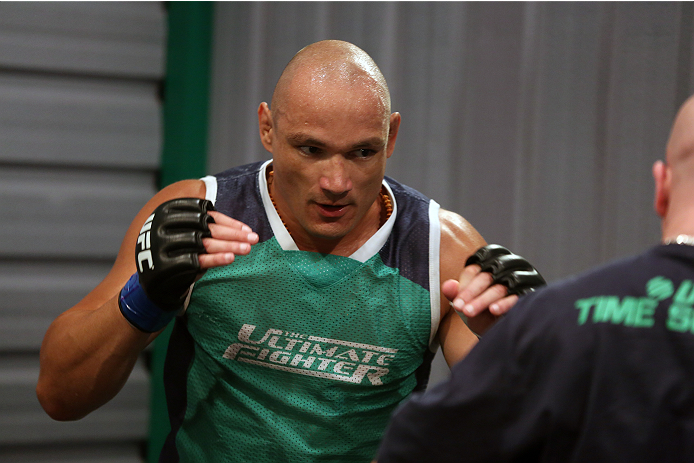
459 240
485 288
89 351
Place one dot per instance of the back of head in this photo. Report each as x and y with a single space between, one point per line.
680 162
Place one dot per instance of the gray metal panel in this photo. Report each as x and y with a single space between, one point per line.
74 214
106 38
23 421
101 453
82 121
33 294
80 130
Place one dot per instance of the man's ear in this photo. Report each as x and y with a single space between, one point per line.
661 175
265 126
392 133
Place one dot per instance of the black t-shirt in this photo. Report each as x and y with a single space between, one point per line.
597 368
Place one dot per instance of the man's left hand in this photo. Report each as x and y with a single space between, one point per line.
492 279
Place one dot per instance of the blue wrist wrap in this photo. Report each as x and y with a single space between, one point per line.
142 313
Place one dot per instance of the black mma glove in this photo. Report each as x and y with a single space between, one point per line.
167 262
507 269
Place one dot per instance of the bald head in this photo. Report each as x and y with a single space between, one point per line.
320 68
674 199
680 147
680 153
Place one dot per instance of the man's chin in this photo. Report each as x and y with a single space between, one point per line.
329 232
328 236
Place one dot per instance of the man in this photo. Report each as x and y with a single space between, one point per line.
320 298
597 368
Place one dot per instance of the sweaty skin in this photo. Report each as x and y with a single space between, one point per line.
330 132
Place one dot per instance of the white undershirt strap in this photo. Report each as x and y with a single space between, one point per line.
434 271
210 188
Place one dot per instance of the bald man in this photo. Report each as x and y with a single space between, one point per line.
316 304
598 368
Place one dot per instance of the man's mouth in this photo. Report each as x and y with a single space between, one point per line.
329 210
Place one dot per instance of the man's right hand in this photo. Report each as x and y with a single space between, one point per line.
167 250
169 253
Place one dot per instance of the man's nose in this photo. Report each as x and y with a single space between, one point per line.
335 179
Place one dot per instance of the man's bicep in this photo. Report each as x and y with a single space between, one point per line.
458 241
455 338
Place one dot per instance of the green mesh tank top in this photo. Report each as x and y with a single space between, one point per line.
286 355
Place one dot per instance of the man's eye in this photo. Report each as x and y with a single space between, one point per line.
309 150
364 153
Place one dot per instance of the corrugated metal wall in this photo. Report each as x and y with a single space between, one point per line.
80 127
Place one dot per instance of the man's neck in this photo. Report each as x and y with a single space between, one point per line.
680 239
376 216
673 228
344 246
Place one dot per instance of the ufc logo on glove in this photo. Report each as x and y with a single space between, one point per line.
143 241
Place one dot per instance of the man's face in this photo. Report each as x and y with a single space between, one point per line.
330 147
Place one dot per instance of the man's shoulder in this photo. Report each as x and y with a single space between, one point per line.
239 171
413 208
403 191
622 275
560 300
609 276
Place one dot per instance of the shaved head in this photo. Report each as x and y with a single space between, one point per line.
675 178
680 154
330 132
680 147
323 67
